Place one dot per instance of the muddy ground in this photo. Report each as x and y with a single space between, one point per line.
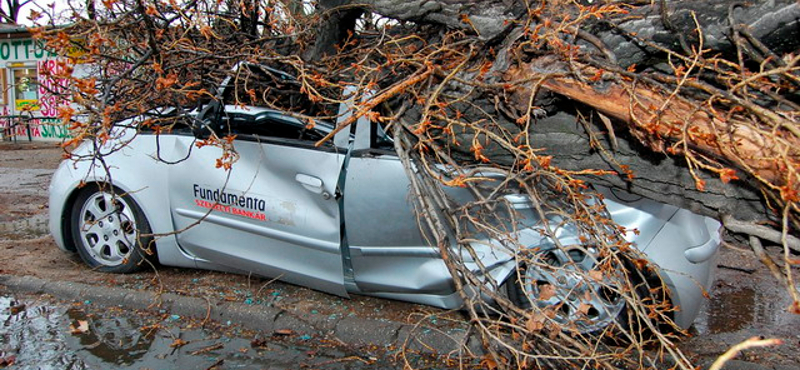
746 301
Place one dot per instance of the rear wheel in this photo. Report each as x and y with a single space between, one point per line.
107 227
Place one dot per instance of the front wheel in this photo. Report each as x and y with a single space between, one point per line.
569 285
107 229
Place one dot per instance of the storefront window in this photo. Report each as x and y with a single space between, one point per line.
26 89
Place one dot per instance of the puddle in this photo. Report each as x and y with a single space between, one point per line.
735 308
47 335
733 311
116 340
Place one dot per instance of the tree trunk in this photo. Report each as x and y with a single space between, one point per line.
775 22
485 18
656 176
337 21
664 178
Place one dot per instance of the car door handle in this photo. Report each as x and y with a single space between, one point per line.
311 183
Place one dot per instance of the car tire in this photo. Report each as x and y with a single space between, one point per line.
559 280
107 228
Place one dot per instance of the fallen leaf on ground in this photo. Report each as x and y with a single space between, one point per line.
7 361
17 309
178 343
83 327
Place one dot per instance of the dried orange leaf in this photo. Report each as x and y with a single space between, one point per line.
596 275
83 327
546 292
535 323
178 343
488 363
610 129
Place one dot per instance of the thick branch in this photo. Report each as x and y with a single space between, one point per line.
762 232
660 120
486 18
337 21
776 23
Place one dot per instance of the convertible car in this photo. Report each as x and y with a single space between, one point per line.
335 218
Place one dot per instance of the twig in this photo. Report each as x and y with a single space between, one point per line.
740 269
216 364
753 342
207 349
365 107
755 243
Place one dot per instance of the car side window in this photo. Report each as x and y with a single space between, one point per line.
273 125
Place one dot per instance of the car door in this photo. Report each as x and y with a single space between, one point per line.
388 252
274 212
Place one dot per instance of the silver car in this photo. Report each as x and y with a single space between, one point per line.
335 218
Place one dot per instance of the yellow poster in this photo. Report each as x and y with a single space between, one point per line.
77 51
27 105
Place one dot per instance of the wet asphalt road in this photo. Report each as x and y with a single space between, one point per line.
37 332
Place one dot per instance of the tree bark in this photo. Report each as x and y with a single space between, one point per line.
655 175
488 19
775 22
734 142
337 21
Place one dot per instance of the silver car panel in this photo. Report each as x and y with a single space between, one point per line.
389 254
148 189
264 219
688 278
636 213
377 205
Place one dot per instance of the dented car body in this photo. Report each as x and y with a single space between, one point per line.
336 218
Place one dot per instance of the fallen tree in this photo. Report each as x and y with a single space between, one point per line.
689 103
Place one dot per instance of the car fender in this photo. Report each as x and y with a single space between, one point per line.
145 180
502 265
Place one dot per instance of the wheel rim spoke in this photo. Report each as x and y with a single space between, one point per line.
577 298
98 247
107 228
91 228
116 253
100 206
563 260
602 309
